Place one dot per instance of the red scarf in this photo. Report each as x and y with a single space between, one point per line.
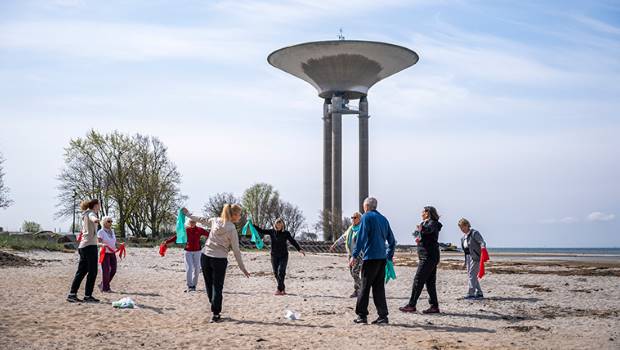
484 257
162 249
122 252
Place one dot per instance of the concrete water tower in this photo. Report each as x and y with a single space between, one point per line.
342 70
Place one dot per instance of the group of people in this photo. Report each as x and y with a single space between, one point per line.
369 243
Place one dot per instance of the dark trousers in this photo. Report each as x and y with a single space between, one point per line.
87 266
214 272
108 267
426 275
373 276
278 263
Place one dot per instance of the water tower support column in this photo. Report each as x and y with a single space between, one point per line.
327 167
363 149
336 158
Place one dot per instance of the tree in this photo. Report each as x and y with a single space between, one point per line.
5 201
308 236
31 227
130 175
336 225
293 217
262 202
214 206
155 183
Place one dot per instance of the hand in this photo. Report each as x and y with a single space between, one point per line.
302 252
247 274
417 240
163 242
331 249
185 211
419 228
352 262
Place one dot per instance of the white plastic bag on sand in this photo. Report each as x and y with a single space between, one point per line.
292 315
125 303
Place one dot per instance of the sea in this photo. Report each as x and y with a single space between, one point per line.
570 253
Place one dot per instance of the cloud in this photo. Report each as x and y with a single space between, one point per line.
599 216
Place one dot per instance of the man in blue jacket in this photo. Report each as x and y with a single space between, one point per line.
373 234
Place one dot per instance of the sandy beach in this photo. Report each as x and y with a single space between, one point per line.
529 305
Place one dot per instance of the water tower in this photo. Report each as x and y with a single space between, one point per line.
342 70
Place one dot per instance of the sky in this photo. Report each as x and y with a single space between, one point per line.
511 117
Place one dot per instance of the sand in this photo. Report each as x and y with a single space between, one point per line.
522 310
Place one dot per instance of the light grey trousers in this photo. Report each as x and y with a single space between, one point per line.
472 273
192 267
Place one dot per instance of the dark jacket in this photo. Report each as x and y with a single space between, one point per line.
429 238
475 242
374 234
279 246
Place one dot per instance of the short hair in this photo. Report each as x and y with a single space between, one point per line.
371 202
464 222
106 218
357 213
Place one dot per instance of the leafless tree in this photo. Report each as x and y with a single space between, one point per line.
5 201
293 217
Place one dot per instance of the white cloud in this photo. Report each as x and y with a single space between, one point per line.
599 216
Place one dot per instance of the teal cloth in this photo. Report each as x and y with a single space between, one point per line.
256 239
390 274
181 234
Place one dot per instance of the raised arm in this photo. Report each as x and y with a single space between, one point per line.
234 244
171 240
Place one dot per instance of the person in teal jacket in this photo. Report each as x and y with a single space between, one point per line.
349 238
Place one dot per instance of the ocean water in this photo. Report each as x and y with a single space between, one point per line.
567 251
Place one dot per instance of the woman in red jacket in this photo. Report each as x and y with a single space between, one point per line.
192 253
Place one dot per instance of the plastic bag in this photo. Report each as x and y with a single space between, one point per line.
292 315
181 233
256 239
390 274
125 303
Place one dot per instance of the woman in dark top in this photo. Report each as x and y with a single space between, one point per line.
279 251
427 236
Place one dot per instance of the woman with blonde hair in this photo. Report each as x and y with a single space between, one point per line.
223 237
89 257
279 251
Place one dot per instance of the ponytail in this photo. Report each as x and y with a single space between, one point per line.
226 214
229 210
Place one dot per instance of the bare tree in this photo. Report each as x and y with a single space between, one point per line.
336 225
5 201
214 206
293 217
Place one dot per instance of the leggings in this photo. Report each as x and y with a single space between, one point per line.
214 272
87 266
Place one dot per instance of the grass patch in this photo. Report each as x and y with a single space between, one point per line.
16 242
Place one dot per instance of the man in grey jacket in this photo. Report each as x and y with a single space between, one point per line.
472 244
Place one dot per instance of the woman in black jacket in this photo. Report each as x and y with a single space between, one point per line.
279 251
427 237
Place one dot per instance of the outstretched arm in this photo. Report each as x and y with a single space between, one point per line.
294 243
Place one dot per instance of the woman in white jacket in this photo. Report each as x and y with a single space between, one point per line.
88 265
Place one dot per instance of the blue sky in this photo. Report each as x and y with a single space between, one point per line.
510 118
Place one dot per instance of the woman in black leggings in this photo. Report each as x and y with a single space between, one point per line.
279 251
89 257
427 237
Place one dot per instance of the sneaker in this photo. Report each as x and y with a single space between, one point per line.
407 308
431 310
282 292
381 320
360 320
91 299
216 319
190 289
277 293
469 297
354 295
479 296
73 299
